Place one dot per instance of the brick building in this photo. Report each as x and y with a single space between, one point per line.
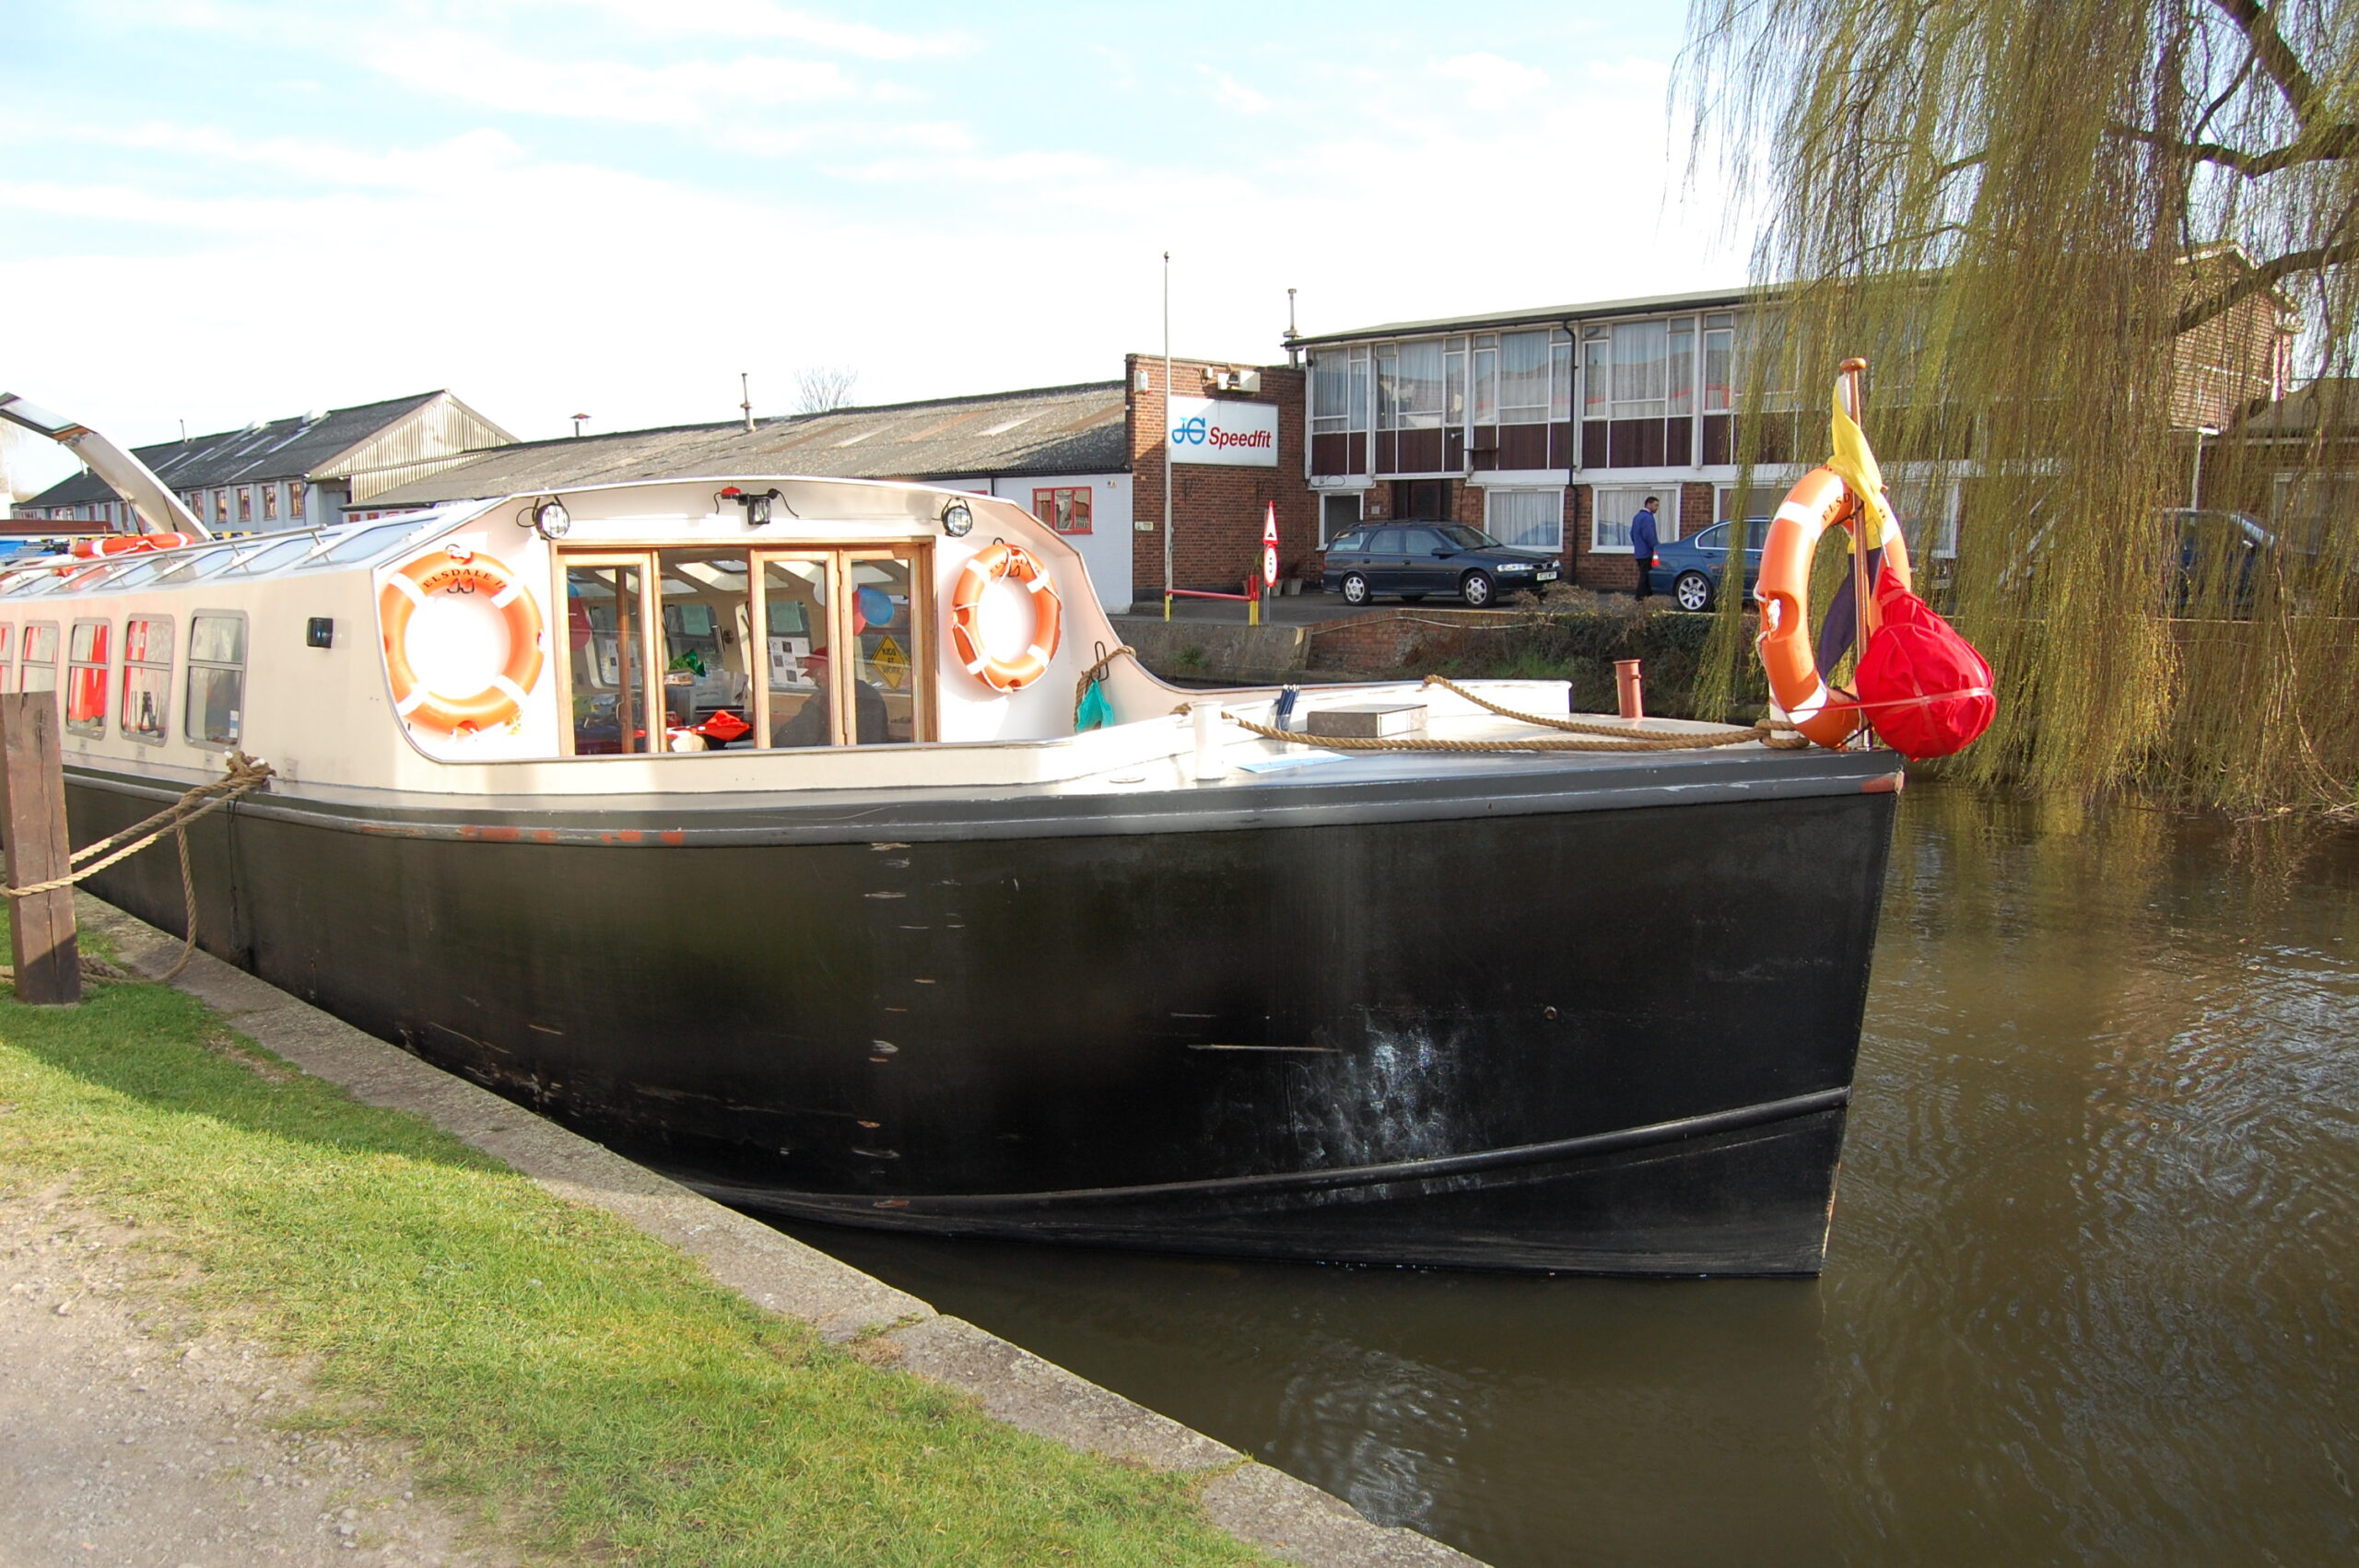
1220 494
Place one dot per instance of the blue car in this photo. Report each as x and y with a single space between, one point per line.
1689 569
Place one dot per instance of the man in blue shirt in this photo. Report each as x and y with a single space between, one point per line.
1642 544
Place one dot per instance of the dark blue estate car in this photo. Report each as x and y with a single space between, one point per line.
1689 569
1413 559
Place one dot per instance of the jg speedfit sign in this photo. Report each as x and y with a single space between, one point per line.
1240 435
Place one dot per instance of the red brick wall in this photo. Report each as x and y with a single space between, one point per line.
1217 513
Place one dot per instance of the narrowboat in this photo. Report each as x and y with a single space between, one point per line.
750 825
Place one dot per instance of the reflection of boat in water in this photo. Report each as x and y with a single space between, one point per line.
736 857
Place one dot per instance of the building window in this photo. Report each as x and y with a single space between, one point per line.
270 503
1531 519
1523 377
1927 511
217 680
296 496
1610 535
245 503
86 678
1486 381
1330 393
147 677
1720 362
1065 508
1640 351
221 506
1337 514
40 657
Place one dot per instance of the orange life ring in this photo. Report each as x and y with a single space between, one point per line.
1819 500
983 568
97 545
456 569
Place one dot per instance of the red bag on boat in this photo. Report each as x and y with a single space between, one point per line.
1925 688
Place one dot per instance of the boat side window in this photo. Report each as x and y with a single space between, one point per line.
366 544
216 679
147 677
85 677
7 656
201 563
286 553
40 667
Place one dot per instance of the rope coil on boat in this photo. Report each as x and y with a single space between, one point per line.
1777 735
244 773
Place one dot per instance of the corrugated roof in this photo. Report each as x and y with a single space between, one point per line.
283 448
1074 429
1647 304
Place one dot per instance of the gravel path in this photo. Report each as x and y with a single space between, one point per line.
124 1442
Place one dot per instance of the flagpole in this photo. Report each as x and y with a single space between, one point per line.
1167 435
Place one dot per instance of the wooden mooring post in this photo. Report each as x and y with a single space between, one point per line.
32 808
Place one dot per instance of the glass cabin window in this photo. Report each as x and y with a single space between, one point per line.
147 677
86 678
217 680
39 669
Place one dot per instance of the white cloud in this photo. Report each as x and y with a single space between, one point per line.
1490 78
1235 96
689 93
761 18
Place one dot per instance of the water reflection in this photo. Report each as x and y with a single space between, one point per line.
2087 1299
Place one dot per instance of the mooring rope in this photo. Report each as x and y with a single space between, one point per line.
243 773
1098 672
1777 734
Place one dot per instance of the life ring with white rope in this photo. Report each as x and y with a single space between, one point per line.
1819 500
459 570
985 568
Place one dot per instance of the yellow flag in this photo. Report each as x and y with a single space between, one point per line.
1855 462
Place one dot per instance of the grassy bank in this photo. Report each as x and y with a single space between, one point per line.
587 1385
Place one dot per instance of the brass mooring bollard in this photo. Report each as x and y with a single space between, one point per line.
1628 691
32 806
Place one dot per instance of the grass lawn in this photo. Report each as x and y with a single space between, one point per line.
581 1382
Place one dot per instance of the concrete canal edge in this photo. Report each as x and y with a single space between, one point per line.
1266 1507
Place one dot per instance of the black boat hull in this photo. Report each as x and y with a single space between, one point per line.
1579 1020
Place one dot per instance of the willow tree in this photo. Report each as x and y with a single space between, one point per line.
2069 234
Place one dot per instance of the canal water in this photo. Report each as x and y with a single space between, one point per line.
2089 1297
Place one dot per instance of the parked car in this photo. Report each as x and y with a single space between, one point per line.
1689 569
1414 559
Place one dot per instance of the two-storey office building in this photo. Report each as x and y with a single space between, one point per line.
1548 429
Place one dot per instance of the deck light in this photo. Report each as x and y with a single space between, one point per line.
956 520
756 502
552 519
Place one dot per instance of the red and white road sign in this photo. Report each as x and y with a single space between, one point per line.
1270 547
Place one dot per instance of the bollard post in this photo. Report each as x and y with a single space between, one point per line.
1166 606
32 804
1627 692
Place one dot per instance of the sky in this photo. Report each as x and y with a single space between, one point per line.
214 211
